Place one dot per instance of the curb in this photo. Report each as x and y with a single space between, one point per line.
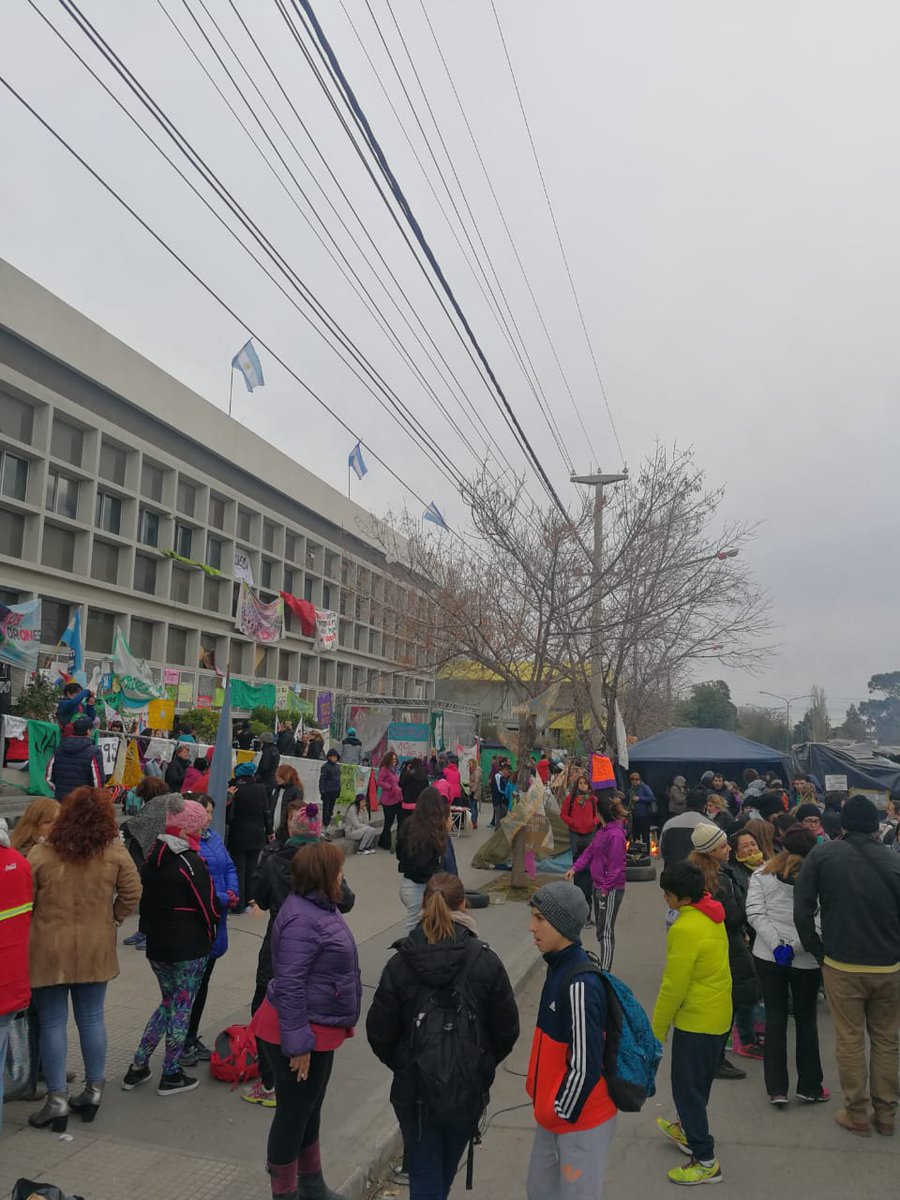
385 1132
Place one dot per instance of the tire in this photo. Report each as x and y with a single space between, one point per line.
640 874
477 900
644 861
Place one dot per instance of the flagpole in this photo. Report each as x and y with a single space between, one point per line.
231 390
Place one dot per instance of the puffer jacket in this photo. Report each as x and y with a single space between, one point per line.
606 858
316 965
223 874
271 887
179 913
770 910
76 763
695 993
419 967
330 779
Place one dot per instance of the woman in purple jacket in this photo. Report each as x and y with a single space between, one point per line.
312 1005
605 857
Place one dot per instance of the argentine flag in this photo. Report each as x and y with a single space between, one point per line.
356 463
247 362
433 514
71 637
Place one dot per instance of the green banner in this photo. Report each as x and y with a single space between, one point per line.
250 695
43 738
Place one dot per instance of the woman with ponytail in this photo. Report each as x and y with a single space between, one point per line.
441 963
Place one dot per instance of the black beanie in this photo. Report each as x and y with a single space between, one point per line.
808 810
859 815
770 803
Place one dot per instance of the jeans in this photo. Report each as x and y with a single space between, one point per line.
432 1156
863 1004
178 984
295 1124
695 1057
411 895
391 814
200 999
803 985
473 806
53 1011
578 843
5 1022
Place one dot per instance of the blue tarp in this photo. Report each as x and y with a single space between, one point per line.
690 752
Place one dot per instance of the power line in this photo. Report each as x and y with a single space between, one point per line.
562 248
375 148
512 241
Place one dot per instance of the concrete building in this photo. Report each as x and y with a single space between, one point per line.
108 467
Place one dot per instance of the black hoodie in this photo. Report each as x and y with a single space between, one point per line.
419 966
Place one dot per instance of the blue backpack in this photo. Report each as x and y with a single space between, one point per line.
631 1053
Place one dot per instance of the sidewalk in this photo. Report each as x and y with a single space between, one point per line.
210 1145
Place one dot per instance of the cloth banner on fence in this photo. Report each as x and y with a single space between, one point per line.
408 739
353 780
437 730
161 714
259 621
160 749
252 695
43 738
109 752
326 630
14 727
242 569
303 610
133 685
371 724
324 709
20 634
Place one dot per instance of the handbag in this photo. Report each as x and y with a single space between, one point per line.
24 1189
19 1068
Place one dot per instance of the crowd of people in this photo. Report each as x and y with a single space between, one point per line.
771 895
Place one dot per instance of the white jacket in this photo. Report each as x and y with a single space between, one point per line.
770 911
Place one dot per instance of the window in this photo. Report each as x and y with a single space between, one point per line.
326 596
266 573
13 476
144 574
105 562
212 594
181 585
58 549
186 497
308 590
152 481
289 581
140 639
16 417
109 512
176 646
184 537
312 551
12 534
55 616
148 528
217 512
62 495
244 524
101 628
112 462
290 547
268 537
331 561
214 552
287 665
67 442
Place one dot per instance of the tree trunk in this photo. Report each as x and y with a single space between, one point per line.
518 878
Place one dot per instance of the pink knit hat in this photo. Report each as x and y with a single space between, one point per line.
191 820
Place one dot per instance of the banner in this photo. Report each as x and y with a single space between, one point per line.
621 739
109 750
242 570
259 621
324 709
437 730
528 814
171 676
186 692
133 684
20 634
602 773
408 739
161 714
303 610
43 738
252 695
326 630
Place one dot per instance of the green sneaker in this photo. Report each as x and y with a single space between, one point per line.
675 1134
695 1173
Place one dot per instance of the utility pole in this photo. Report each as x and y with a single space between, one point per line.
787 701
597 481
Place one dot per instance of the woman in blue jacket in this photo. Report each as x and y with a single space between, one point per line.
223 874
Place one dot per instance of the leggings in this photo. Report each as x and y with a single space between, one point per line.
296 1122
391 814
605 913
178 984
200 999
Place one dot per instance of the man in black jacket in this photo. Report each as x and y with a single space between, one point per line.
329 785
855 882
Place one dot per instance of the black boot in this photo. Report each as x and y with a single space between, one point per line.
87 1103
314 1187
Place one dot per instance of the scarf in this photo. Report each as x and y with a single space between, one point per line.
147 825
465 918
177 844
751 860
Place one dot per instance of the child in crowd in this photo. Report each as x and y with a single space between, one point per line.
695 998
576 1118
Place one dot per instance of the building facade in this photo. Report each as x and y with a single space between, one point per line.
118 485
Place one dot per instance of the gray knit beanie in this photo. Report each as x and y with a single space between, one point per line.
564 906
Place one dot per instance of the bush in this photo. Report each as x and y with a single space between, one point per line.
204 721
38 699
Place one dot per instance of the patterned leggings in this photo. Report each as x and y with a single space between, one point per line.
178 983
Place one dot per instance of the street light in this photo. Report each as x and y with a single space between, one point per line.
787 701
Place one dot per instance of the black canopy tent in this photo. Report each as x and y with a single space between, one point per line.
866 772
690 752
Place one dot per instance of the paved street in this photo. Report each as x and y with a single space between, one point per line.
212 1145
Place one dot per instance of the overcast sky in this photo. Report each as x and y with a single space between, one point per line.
726 184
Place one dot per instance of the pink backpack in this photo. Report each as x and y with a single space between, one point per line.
235 1058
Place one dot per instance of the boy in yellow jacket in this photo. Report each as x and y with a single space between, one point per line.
695 998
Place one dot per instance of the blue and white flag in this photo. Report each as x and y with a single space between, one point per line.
356 463
247 362
433 514
71 637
